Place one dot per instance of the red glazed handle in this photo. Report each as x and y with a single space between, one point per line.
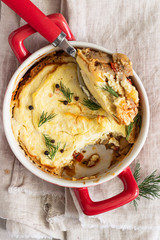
38 20
129 193
17 37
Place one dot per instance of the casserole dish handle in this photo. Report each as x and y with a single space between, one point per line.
37 19
129 193
17 37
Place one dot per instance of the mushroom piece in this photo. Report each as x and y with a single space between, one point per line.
124 146
92 160
124 63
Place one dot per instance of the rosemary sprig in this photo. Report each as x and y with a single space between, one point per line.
48 141
53 151
129 130
44 118
110 90
149 188
52 148
90 104
66 92
64 146
137 120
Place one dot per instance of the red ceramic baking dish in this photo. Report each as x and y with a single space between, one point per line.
80 187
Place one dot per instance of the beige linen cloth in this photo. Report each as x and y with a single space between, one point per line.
34 208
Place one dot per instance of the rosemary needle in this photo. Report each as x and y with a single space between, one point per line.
90 104
52 148
44 118
66 92
110 90
129 130
137 120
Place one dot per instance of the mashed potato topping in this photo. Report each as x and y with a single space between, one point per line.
107 78
49 118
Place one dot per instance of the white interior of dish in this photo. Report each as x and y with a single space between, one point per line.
100 168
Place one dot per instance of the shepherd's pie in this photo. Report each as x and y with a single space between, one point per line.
51 118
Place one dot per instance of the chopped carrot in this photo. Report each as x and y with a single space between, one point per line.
129 80
115 67
78 156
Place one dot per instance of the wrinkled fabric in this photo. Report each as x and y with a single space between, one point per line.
34 208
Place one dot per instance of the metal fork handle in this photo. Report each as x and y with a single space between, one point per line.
62 43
